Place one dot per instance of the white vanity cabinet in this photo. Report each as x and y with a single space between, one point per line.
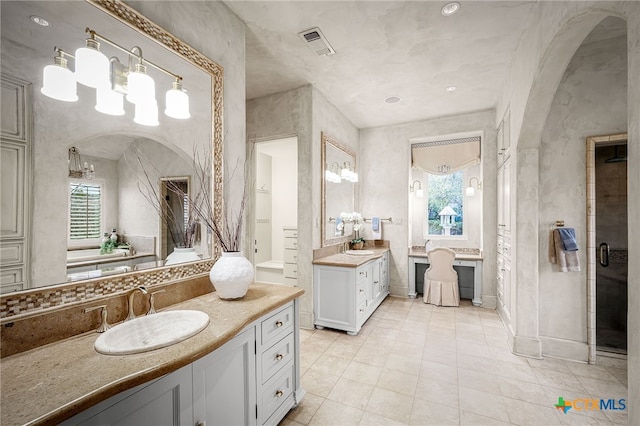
253 379
345 297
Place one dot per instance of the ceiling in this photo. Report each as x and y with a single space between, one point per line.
406 49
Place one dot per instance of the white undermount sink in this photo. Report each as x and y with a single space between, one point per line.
359 252
151 332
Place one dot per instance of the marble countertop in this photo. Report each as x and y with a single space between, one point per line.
349 260
54 382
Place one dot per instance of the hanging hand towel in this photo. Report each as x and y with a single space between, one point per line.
568 261
376 228
568 236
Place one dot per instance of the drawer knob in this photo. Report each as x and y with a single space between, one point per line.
279 357
361 291
279 394
279 323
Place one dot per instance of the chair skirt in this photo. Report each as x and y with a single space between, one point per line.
441 293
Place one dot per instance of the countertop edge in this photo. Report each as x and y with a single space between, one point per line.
350 261
187 356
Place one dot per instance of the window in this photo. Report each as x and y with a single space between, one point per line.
85 211
445 195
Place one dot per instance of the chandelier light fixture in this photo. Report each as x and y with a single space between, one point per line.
114 81
77 169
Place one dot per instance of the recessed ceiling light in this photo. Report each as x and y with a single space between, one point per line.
392 100
450 8
451 89
40 21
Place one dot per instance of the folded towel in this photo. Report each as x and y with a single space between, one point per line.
568 236
376 228
567 261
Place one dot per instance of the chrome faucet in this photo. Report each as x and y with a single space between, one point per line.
132 295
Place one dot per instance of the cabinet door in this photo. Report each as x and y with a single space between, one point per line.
224 385
166 401
376 285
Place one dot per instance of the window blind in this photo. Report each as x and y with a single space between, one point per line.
85 215
446 156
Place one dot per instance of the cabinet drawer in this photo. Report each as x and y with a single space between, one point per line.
276 391
362 309
362 275
291 270
362 293
290 233
11 253
291 243
278 355
276 326
291 256
291 282
11 276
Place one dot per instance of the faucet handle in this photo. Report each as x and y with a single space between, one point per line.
104 326
152 308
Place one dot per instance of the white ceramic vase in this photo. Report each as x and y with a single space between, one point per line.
231 275
182 255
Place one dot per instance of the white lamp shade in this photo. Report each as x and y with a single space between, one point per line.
471 191
59 83
420 193
108 101
177 104
140 88
146 113
92 67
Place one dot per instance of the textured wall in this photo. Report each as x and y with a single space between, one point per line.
384 187
591 100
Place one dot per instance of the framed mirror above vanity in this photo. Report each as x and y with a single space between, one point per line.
338 195
114 147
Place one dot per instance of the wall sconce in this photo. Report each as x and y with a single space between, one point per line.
470 189
113 80
419 191
86 171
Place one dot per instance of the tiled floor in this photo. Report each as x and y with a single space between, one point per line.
417 364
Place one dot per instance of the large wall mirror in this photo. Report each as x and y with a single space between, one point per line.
337 197
112 144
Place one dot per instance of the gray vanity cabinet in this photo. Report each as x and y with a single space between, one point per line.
253 379
345 297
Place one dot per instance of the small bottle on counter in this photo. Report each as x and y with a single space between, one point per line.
105 238
114 236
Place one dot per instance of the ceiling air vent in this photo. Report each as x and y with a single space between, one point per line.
317 42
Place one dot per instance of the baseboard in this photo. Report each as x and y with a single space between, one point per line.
527 346
565 349
306 320
489 302
399 291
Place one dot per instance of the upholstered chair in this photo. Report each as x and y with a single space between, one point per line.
441 280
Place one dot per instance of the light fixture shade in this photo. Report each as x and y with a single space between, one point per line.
146 113
140 86
92 66
108 101
471 191
420 193
58 82
177 102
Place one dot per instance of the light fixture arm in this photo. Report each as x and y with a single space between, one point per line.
131 53
412 187
478 183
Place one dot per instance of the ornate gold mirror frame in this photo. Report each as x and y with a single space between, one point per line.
27 302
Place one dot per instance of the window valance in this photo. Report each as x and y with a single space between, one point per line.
446 156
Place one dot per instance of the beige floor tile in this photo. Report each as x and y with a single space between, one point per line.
369 355
471 348
435 354
407 349
472 419
436 371
617 417
620 374
558 379
605 389
525 391
528 414
413 336
305 410
333 413
437 391
593 371
351 393
403 363
483 403
429 413
330 365
363 373
397 381
342 350
288 422
472 379
318 383
370 419
580 420
391 405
